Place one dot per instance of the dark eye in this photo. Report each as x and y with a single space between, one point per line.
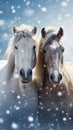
34 47
63 49
16 47
44 51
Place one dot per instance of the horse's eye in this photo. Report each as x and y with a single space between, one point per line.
44 51
34 47
16 47
63 49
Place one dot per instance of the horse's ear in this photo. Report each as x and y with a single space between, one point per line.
34 30
43 32
14 29
60 33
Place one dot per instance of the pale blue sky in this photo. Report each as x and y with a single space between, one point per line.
40 13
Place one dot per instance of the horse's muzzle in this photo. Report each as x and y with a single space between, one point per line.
56 79
26 76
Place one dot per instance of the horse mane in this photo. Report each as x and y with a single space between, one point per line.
11 47
40 65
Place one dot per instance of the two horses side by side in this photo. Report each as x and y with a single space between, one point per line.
48 95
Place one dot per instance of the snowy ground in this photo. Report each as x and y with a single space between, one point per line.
2 63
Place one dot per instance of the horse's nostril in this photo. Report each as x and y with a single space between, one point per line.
30 71
52 76
60 77
21 72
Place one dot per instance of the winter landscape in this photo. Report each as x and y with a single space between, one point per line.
39 13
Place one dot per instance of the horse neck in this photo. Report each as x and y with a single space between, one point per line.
10 67
39 69
66 79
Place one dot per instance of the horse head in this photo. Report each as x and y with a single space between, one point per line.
53 53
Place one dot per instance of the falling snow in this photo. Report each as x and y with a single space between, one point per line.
43 9
64 4
64 119
1 120
30 119
59 93
7 111
14 125
40 13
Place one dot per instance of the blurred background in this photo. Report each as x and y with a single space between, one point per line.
57 13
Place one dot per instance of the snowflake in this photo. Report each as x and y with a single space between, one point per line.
64 119
64 4
57 108
5 36
67 15
34 98
1 120
49 109
14 125
19 102
0 50
13 91
12 7
25 104
30 119
7 112
24 0
70 118
16 107
39 5
31 125
59 93
27 3
63 112
1 12
41 103
4 82
18 96
2 92
16 76
43 9
10 107
19 6
29 12
38 21
13 11
52 124
42 108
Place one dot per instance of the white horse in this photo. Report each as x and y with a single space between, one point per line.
18 92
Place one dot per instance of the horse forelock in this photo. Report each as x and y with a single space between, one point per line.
20 34
50 36
50 32
23 31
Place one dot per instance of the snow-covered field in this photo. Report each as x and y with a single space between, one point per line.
2 63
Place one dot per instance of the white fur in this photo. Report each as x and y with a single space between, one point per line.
54 44
24 53
56 73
